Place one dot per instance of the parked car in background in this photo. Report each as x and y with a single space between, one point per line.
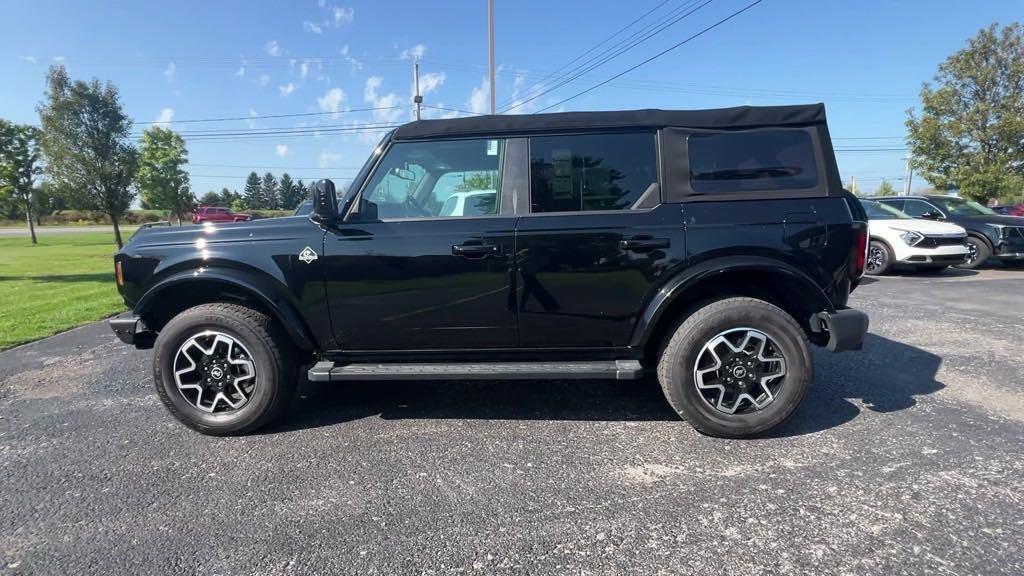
897 239
989 235
1017 210
218 214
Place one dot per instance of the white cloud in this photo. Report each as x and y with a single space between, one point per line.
163 120
58 58
327 158
332 100
479 101
273 48
430 82
321 3
304 69
170 70
29 59
415 52
312 27
343 15
252 115
287 89
356 64
264 79
387 104
281 150
240 73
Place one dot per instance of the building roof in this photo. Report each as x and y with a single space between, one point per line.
720 118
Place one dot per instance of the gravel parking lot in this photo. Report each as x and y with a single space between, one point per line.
904 459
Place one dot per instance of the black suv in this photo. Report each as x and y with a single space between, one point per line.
710 247
989 235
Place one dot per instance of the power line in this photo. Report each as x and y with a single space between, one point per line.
614 54
591 49
453 110
265 167
658 55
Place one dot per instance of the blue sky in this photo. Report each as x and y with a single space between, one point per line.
180 61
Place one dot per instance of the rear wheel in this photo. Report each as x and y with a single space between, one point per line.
879 258
736 367
977 253
224 369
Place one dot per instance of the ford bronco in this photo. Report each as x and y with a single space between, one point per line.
710 248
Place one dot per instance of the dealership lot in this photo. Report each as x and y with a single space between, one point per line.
906 457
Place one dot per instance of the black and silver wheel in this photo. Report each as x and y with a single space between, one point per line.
736 367
223 368
977 253
879 259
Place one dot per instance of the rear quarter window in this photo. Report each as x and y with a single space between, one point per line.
752 161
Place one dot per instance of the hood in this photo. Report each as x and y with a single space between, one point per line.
254 230
926 227
989 219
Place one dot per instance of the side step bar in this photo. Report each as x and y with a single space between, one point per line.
605 369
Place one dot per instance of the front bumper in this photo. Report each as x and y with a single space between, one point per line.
846 328
130 329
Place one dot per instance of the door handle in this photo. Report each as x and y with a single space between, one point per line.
641 244
476 250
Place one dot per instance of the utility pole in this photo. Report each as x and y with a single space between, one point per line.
418 99
490 36
908 177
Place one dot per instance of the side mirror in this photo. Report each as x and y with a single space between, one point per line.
932 215
325 201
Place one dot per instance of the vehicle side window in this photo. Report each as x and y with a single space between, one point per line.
450 178
752 161
590 171
917 208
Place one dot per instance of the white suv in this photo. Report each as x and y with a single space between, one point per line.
898 239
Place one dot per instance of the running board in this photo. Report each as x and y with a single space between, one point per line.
605 369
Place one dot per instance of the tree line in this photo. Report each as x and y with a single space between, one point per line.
81 157
266 193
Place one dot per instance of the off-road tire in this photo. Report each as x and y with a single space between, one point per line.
678 358
272 353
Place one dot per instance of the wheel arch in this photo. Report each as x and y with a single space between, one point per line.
187 288
765 278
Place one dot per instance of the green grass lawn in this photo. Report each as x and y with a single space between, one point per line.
64 281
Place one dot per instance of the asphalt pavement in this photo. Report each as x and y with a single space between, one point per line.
905 458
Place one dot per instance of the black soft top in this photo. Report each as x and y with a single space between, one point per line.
720 118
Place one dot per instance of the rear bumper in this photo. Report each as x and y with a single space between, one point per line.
130 329
846 328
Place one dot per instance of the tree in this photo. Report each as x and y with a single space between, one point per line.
212 198
885 189
162 180
971 125
289 194
84 140
269 192
253 192
301 192
19 165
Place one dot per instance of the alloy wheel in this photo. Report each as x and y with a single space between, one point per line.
739 371
876 259
214 372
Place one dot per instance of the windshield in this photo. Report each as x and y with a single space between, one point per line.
304 209
879 211
961 206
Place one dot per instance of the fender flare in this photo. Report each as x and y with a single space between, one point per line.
678 284
264 290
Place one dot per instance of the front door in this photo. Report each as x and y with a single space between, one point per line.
433 270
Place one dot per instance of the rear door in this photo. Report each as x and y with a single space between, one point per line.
594 240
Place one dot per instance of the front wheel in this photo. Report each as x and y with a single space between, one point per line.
977 253
879 258
736 367
224 369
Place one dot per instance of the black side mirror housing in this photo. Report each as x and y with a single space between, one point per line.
325 201
932 215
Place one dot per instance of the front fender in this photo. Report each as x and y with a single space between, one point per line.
678 285
263 289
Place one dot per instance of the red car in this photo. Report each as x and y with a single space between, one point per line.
217 214
1017 210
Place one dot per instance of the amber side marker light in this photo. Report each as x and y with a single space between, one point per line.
118 274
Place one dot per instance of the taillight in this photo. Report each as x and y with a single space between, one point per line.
859 250
118 274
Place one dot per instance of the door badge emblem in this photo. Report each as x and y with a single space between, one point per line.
307 255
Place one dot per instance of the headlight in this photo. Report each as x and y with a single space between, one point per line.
911 238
